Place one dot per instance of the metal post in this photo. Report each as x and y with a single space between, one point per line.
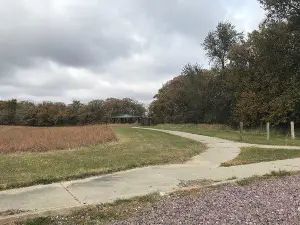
293 131
268 131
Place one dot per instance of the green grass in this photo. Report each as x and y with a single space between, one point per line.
253 137
257 155
135 148
38 221
272 175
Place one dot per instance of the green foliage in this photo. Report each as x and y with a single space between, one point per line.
183 99
39 221
26 113
8 111
59 114
281 9
271 88
218 43
256 80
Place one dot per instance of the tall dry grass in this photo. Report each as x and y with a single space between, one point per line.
14 139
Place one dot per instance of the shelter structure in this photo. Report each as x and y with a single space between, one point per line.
129 118
126 118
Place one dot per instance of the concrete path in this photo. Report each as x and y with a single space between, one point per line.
142 181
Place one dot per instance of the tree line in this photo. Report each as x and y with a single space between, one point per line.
27 113
254 78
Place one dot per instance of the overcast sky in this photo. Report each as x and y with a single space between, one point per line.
61 50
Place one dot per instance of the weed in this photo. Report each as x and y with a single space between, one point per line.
273 174
14 139
232 178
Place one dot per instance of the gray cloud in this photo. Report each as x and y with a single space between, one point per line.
79 36
76 49
185 17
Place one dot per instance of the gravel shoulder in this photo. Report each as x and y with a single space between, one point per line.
275 201
272 199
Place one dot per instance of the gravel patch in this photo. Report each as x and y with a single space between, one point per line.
265 202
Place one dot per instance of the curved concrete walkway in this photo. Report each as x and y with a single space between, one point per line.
142 181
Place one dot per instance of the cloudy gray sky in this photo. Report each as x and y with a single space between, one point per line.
61 50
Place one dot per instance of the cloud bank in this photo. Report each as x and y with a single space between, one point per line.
61 50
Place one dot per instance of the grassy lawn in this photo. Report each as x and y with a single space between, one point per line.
135 148
229 134
256 155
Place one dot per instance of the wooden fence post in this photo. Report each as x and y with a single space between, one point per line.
268 131
293 131
241 130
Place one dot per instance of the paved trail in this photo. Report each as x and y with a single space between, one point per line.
143 181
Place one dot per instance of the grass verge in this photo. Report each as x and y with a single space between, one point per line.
135 148
272 175
224 132
101 214
257 155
